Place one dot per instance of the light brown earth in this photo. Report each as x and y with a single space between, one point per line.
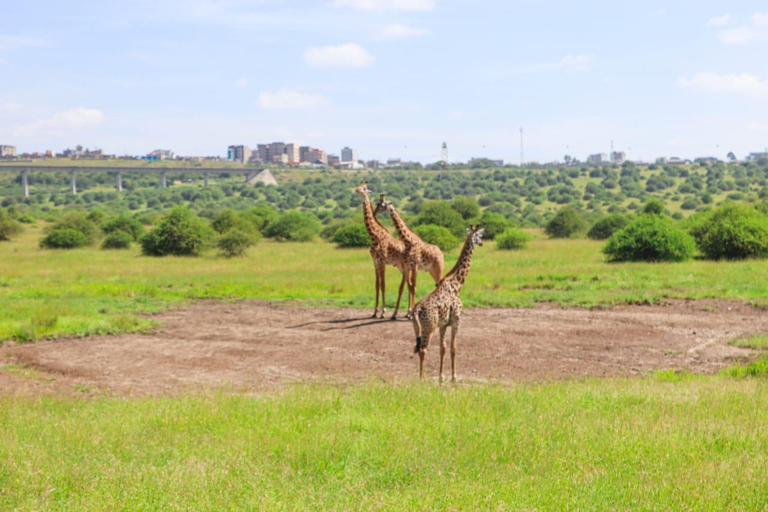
254 346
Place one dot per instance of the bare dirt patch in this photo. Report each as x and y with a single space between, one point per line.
256 346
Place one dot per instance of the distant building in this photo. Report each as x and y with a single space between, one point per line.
293 153
618 157
348 154
333 161
161 154
597 158
706 160
754 157
240 154
314 156
7 151
677 161
394 162
49 153
373 164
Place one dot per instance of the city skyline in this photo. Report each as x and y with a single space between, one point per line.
391 78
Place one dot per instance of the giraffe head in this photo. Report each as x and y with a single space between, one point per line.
475 234
383 206
362 190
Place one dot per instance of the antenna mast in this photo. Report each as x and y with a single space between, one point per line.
522 159
444 154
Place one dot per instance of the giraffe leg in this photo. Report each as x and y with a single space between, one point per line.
422 353
455 322
383 285
376 307
399 296
442 350
412 290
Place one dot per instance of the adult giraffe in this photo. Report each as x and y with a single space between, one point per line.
419 255
385 250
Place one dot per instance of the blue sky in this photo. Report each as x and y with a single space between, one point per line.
392 78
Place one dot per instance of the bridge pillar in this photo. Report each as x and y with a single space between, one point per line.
25 182
207 180
72 182
119 179
164 180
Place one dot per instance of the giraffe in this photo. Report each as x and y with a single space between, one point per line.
385 250
442 307
419 255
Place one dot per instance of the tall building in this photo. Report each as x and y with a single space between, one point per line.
333 160
313 155
7 151
239 153
292 150
618 157
597 158
348 154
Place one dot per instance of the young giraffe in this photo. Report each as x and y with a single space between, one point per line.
419 255
442 307
385 250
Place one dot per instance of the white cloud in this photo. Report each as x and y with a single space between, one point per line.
291 99
62 122
399 31
10 107
386 5
581 62
719 21
11 42
760 19
241 82
739 35
757 127
347 55
742 85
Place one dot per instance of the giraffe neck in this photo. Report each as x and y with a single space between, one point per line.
402 228
371 223
458 273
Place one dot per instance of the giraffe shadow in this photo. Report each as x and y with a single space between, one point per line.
342 321
363 324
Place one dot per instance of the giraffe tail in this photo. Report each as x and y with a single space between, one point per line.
417 323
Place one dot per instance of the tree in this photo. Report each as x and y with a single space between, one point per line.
293 227
731 157
466 206
179 233
566 223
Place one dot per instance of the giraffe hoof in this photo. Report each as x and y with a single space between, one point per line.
393 317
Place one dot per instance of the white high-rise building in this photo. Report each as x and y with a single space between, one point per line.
348 155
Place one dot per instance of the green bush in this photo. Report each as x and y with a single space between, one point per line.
494 224
179 233
607 226
437 235
234 243
733 231
260 216
566 223
228 220
126 224
117 240
653 207
352 235
650 238
467 207
79 222
293 227
64 238
513 238
9 228
440 213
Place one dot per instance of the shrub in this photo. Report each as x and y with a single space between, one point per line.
64 238
179 233
78 222
293 227
126 224
437 235
228 220
440 213
733 231
234 243
653 207
605 227
117 240
9 228
566 223
352 235
494 224
513 238
260 216
650 238
467 207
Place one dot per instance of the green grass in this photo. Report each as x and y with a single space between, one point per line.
700 443
756 342
81 292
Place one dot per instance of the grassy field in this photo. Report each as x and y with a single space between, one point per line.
88 291
690 443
